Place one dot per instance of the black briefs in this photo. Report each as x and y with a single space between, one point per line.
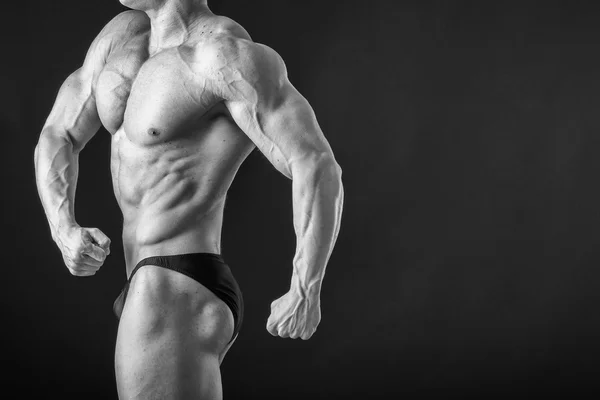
208 269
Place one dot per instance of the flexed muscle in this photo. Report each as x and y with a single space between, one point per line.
186 95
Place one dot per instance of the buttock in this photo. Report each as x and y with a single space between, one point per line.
208 269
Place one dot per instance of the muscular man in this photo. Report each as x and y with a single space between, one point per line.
186 96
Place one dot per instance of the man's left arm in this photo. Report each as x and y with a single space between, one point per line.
279 120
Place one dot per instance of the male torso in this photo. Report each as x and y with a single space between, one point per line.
175 149
185 103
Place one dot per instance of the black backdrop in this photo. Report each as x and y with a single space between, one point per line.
468 258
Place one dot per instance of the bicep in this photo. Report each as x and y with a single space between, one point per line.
271 111
285 131
74 113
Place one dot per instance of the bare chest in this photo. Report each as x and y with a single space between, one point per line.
153 99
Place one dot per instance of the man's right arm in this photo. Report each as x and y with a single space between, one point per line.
72 122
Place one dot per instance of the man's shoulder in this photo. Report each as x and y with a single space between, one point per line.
230 50
118 30
125 25
227 27
128 21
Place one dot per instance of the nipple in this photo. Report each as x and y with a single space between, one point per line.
153 132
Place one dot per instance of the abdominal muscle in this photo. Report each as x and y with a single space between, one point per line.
172 193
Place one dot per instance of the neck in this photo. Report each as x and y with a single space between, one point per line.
172 20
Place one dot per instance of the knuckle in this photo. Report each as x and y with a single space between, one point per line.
80 247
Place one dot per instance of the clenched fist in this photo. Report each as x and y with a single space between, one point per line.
83 249
294 315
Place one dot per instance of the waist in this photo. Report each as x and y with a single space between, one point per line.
184 263
171 234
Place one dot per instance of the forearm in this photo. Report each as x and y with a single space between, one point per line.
56 169
318 200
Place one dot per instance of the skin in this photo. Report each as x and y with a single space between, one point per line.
186 95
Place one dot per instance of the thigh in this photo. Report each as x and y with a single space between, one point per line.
160 370
173 331
161 301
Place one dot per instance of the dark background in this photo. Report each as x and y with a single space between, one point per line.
467 263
